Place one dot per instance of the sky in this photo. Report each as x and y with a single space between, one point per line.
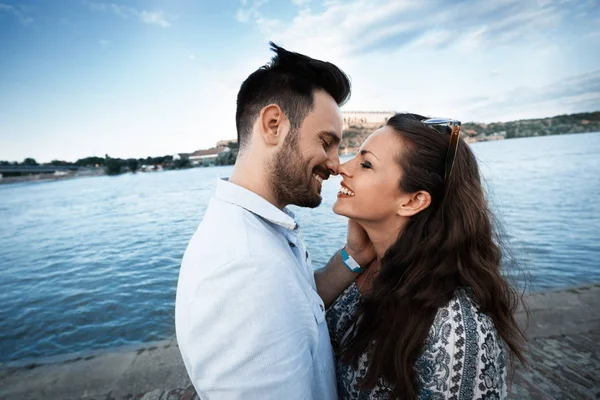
137 78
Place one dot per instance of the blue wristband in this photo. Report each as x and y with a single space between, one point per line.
350 262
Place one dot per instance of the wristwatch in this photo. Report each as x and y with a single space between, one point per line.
350 262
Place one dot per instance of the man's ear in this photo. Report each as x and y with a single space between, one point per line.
413 204
273 124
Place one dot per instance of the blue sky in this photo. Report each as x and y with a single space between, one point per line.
139 78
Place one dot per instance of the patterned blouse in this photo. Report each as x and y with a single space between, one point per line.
463 356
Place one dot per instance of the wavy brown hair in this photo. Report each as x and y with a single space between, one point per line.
451 244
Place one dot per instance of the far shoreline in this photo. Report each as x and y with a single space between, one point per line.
41 178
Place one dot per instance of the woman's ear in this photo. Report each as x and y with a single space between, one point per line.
414 203
272 125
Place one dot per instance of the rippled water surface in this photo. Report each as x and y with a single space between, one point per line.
92 263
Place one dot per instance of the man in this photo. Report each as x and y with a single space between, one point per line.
250 321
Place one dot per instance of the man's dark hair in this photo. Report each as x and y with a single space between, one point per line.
288 81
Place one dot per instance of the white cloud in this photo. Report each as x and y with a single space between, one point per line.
250 12
571 94
17 12
472 40
433 38
120 10
431 57
360 25
243 15
155 18
340 29
594 35
103 42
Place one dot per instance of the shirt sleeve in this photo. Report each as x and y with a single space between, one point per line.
250 334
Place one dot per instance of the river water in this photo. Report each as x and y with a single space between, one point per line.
92 263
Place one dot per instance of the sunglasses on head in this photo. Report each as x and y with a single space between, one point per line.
454 126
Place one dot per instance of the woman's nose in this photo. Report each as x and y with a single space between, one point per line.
345 169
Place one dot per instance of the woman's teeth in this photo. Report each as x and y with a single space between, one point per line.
318 178
345 191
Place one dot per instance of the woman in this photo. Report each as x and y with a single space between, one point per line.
432 317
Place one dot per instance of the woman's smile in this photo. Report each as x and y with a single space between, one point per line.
345 191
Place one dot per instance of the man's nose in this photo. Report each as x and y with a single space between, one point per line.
333 164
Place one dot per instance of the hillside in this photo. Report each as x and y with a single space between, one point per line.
477 131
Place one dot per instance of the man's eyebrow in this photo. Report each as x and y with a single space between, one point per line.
363 152
334 138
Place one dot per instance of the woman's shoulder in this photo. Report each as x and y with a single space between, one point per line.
463 354
462 322
462 310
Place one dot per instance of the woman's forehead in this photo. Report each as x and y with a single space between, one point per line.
384 141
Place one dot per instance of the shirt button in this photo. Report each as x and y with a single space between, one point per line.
321 307
292 245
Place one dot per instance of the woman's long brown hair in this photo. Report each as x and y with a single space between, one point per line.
451 244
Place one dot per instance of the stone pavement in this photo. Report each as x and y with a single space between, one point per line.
563 353
564 346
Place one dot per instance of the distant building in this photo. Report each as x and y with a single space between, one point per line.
179 156
221 144
371 119
206 156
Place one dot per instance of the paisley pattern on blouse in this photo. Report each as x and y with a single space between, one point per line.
463 357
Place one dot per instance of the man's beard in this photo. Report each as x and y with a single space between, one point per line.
288 176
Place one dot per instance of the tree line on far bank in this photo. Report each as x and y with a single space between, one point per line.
558 125
115 166
112 166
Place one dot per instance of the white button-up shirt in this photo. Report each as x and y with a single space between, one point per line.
249 321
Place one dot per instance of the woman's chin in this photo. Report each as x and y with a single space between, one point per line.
339 209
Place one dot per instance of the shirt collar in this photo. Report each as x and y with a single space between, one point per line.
242 197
